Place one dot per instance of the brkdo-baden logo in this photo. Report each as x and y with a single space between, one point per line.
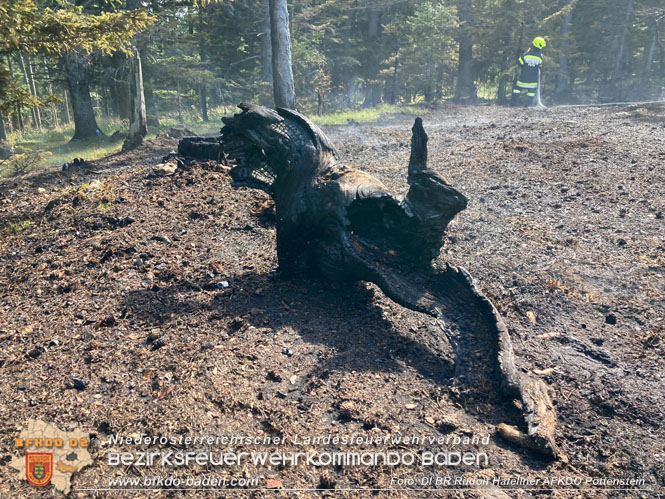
38 467
46 454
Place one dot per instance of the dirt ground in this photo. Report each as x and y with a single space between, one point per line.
160 293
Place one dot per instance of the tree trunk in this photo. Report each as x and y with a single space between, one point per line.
283 89
138 123
373 90
11 117
266 44
562 78
504 78
661 50
33 86
53 107
215 96
648 56
506 58
438 83
518 49
27 77
148 92
393 90
19 118
501 90
622 43
179 102
138 120
465 85
107 101
10 125
203 91
3 133
65 105
119 90
148 88
17 108
85 124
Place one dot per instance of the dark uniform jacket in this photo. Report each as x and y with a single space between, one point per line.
530 62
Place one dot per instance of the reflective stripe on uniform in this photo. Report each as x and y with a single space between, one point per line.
533 58
517 91
521 61
527 85
531 94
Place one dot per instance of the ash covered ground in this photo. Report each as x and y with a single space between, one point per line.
159 291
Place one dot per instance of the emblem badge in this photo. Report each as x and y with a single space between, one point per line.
39 467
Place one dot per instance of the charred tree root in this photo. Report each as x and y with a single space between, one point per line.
535 396
335 221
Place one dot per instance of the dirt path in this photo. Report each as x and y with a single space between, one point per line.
161 293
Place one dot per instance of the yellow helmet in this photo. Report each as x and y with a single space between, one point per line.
539 42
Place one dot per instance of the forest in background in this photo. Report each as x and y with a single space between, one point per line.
191 57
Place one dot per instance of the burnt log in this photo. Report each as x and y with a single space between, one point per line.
343 223
200 148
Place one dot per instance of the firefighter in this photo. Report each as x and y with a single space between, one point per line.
530 63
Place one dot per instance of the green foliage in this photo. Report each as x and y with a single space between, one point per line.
17 96
21 225
426 56
105 206
62 26
47 148
22 163
57 27
310 66
39 149
347 55
366 115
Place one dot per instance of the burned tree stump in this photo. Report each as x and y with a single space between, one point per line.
343 223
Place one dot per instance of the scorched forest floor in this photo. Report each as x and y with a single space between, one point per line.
159 290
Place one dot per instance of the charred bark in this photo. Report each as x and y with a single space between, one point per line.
200 148
342 223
